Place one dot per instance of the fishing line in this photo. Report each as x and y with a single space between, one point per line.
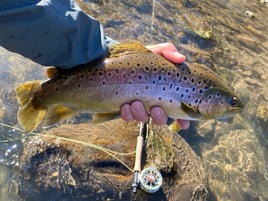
88 144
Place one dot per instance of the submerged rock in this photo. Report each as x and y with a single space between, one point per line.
60 169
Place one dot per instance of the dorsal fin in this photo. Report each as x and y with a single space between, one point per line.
51 72
127 47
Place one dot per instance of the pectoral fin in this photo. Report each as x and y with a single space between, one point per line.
102 117
174 126
191 111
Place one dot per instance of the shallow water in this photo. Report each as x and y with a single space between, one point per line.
234 151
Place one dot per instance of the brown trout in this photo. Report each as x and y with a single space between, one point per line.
130 72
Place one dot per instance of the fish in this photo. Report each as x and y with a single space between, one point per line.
130 72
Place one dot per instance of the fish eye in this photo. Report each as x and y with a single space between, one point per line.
233 101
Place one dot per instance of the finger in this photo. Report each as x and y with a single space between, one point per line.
184 124
169 51
173 56
126 113
158 115
138 111
159 47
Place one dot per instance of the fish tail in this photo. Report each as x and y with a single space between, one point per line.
30 113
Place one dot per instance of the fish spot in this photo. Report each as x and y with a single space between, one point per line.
129 82
189 97
138 64
103 83
178 74
154 82
140 77
193 89
205 81
159 77
196 101
116 93
91 79
177 88
192 80
159 98
170 101
209 97
187 90
128 63
164 88
132 72
155 69
222 102
169 73
57 89
82 76
79 85
89 70
182 69
100 74
109 74
182 95
147 68
217 94
199 82
200 91
170 86
189 73
137 93
146 87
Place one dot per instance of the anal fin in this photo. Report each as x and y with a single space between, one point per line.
58 113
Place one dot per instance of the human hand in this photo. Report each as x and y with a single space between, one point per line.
136 110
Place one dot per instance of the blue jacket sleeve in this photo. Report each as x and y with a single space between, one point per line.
51 32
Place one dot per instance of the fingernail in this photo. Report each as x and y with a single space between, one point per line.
177 54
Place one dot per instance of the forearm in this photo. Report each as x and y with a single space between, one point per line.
51 33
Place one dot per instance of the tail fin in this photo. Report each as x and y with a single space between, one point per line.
29 116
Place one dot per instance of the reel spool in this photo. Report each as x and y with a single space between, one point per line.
150 180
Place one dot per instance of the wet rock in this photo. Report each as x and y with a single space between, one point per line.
71 171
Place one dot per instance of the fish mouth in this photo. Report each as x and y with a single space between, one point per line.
230 113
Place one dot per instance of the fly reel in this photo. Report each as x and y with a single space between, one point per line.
150 179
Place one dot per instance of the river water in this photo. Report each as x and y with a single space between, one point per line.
230 36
